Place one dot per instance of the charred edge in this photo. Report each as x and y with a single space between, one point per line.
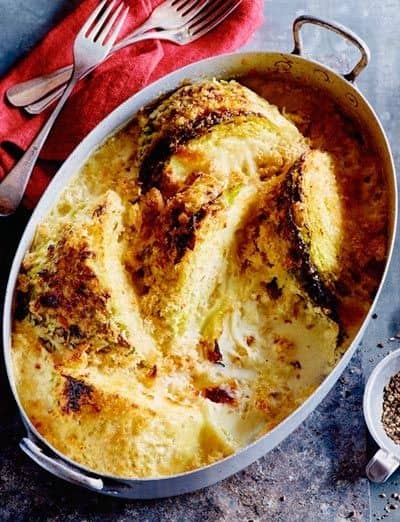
219 395
47 345
183 235
152 372
122 341
99 210
22 300
76 393
250 340
75 331
151 168
273 290
49 300
214 355
44 274
305 270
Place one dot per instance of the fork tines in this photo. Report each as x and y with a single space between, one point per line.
98 26
212 15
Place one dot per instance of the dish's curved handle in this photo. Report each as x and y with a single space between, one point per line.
70 473
59 468
381 466
338 29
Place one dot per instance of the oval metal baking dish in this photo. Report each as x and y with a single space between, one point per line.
293 67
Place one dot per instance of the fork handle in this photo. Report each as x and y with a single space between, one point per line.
12 188
26 93
39 106
48 95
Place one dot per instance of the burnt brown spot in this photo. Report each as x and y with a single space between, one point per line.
219 395
61 333
152 205
296 365
342 289
49 300
182 234
374 268
99 210
21 304
250 340
274 395
76 393
47 345
44 274
122 341
75 331
214 354
262 217
152 372
355 275
273 290
138 276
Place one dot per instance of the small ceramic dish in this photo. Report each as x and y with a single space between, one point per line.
387 459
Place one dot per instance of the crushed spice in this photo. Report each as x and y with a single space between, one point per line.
391 408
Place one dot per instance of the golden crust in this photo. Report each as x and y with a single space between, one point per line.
167 313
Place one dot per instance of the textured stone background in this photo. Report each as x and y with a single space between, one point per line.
317 474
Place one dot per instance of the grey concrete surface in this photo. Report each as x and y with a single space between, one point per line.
317 474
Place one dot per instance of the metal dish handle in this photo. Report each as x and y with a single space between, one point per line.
59 468
338 29
65 471
381 466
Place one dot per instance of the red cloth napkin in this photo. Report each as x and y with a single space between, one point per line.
123 74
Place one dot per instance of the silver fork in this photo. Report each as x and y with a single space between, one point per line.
169 15
199 17
91 46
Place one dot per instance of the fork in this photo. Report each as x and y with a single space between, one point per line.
197 17
169 15
91 46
